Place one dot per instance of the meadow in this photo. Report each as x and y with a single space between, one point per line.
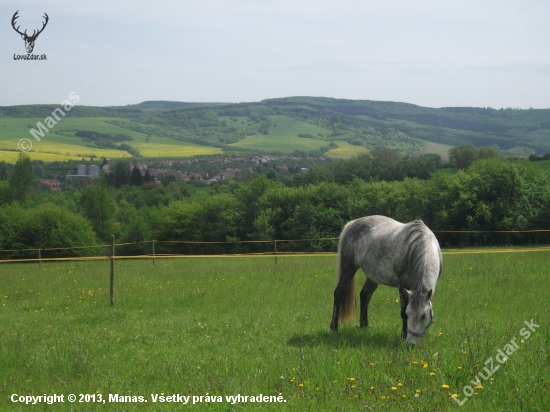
284 138
248 326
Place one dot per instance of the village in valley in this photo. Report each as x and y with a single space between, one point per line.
203 169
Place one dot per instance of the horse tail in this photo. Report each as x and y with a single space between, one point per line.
347 307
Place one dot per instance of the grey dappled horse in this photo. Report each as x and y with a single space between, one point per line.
406 256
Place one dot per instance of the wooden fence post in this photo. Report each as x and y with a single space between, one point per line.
153 252
112 266
275 248
39 259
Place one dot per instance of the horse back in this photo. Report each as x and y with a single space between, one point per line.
381 247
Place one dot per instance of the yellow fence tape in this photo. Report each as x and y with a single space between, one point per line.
270 254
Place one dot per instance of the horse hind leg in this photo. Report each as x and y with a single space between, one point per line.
344 294
366 294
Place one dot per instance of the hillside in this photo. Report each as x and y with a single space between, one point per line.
337 127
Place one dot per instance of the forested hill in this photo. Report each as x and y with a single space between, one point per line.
371 124
457 126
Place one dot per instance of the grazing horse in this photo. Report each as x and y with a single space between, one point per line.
406 256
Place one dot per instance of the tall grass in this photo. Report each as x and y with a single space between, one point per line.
249 326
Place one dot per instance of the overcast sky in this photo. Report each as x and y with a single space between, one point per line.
434 53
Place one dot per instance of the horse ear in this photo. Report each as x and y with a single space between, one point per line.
429 294
408 292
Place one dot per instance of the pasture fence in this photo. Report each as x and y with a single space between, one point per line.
523 240
111 256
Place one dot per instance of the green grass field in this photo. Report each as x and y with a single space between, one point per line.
284 137
229 326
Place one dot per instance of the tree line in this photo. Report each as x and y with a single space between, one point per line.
491 194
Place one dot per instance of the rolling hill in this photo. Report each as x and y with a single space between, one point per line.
336 127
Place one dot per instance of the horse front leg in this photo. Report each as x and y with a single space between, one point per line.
404 299
366 294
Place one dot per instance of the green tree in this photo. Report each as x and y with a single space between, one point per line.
487 152
5 192
136 179
97 204
45 226
462 157
167 179
22 178
147 178
121 174
3 171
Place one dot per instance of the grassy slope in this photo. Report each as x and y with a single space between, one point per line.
284 138
244 326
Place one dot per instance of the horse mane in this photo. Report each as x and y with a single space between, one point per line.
417 258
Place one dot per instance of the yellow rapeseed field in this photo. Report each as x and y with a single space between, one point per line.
174 150
345 150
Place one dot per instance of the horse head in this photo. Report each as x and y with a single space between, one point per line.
419 316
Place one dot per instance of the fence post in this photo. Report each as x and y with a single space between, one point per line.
153 252
39 259
112 266
275 248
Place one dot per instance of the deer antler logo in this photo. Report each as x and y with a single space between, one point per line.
29 40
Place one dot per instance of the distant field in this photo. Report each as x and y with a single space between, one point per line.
48 150
57 147
183 149
285 144
11 157
432 147
284 137
285 126
345 150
